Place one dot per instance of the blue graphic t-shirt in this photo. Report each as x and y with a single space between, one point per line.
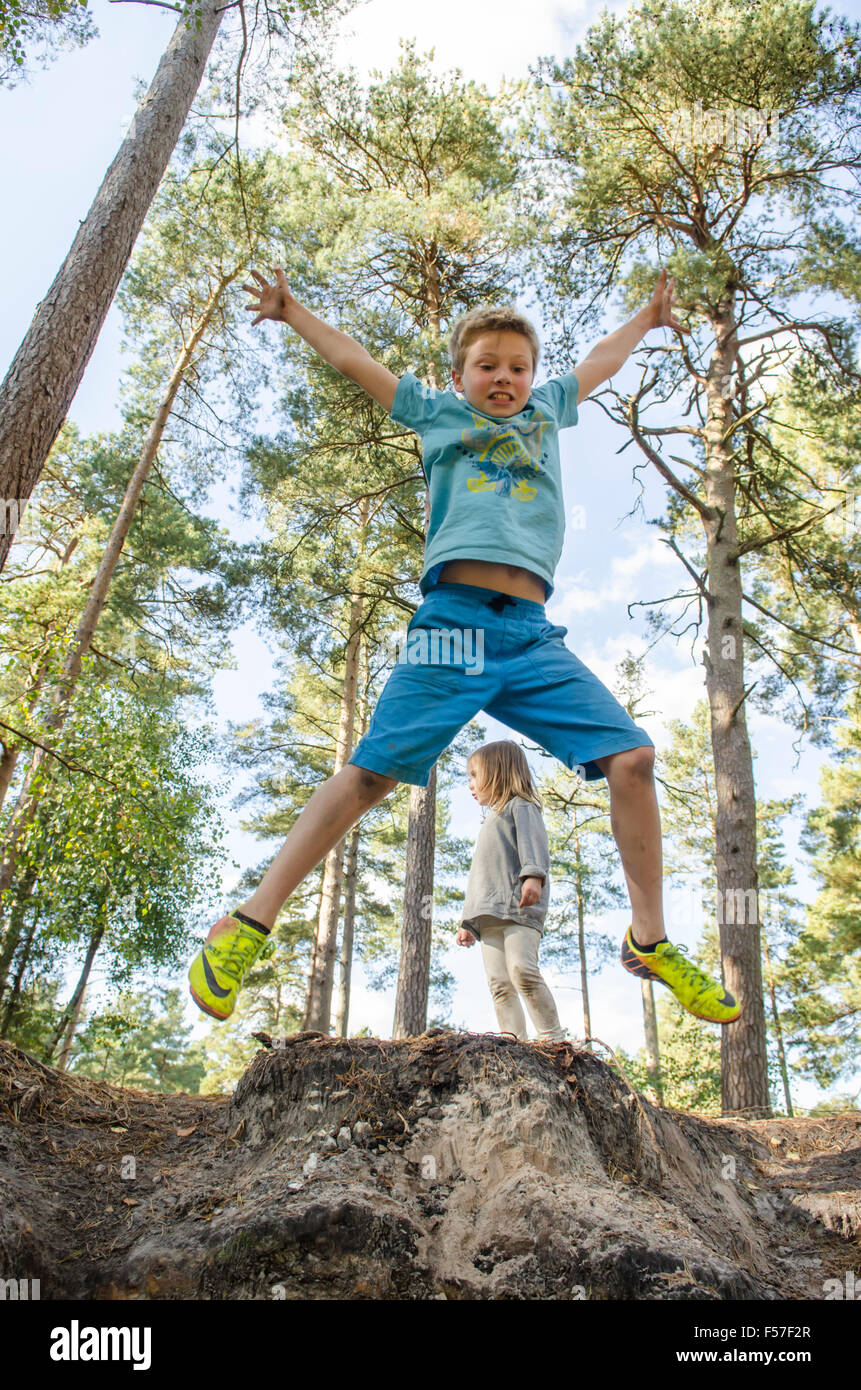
495 484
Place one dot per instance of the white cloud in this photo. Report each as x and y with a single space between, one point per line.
572 595
673 674
485 41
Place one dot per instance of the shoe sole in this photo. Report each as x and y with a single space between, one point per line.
205 1007
707 1018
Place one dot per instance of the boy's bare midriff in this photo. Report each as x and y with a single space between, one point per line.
487 574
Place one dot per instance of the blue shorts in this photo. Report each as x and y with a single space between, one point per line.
469 649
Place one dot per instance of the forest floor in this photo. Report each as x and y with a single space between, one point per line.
452 1165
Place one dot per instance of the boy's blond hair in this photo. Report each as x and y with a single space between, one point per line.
501 771
487 319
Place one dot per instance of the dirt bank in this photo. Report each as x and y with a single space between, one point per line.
454 1165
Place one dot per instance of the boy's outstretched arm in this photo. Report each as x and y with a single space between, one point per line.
612 352
340 350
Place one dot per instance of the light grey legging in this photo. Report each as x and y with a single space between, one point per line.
510 954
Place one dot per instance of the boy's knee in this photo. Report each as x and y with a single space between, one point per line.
374 785
642 762
633 762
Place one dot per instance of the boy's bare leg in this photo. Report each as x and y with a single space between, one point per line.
332 810
636 823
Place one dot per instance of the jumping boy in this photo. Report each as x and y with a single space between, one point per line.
497 522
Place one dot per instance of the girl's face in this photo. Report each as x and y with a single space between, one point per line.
475 786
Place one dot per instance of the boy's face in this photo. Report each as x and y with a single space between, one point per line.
497 373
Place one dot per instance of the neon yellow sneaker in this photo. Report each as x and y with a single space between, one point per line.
695 990
215 975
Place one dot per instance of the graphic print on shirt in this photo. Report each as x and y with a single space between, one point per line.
509 451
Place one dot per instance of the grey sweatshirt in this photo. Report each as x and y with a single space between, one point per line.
510 846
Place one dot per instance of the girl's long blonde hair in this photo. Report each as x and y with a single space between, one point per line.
502 772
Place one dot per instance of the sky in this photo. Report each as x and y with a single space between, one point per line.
58 134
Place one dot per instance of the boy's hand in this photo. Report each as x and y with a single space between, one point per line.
660 307
338 349
272 299
465 938
611 354
531 891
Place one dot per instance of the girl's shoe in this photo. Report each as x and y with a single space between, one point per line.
695 990
217 971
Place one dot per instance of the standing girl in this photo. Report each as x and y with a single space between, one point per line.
508 891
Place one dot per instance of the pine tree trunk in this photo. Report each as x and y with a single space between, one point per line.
411 1004
12 751
15 991
13 932
28 798
8 763
581 940
778 1027
47 369
72 1012
318 1004
346 961
744 1080
11 937
584 974
650 1028
352 874
70 1033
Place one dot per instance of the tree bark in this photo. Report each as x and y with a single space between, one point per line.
584 975
411 1003
72 1012
15 991
13 932
650 1028
28 797
346 960
351 879
47 369
744 1078
12 751
318 1005
581 941
778 1028
8 763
